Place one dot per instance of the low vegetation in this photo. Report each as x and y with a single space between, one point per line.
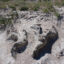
48 7
4 0
35 7
57 14
45 5
45 10
59 3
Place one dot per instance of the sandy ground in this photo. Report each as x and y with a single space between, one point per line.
26 24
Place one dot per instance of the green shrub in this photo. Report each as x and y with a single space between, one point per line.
36 7
13 7
48 7
24 8
57 14
45 10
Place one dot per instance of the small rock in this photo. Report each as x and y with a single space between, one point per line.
2 27
19 47
62 53
40 31
13 37
8 31
47 42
